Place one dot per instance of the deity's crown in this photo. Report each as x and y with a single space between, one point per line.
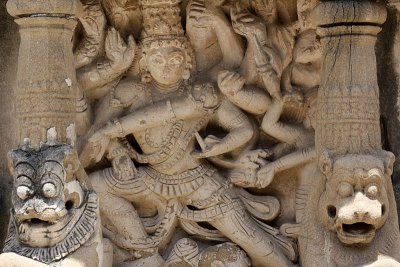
162 23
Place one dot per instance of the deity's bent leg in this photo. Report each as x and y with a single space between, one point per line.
115 206
242 230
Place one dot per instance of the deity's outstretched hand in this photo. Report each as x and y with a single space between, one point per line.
119 53
97 144
211 146
248 164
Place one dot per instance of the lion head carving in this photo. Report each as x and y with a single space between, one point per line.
54 212
355 202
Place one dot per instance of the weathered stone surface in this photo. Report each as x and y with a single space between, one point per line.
215 133
9 41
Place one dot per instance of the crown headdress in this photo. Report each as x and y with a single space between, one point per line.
162 23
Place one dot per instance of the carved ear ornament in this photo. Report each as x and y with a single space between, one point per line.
388 161
325 162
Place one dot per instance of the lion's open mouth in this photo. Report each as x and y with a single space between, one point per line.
359 228
36 221
356 233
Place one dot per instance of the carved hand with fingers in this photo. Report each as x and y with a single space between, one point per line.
245 175
211 146
97 144
230 82
265 175
118 52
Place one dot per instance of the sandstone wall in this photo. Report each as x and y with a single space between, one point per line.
9 40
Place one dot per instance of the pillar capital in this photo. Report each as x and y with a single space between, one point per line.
26 8
336 13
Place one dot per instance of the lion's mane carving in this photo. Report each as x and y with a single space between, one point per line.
54 213
356 220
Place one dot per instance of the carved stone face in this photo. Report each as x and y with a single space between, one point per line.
355 202
166 65
44 201
308 48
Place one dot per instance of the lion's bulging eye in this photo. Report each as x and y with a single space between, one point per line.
372 190
49 190
23 192
345 190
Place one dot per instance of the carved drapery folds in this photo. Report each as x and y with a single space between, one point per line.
235 136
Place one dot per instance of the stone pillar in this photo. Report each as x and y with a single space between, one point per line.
55 213
46 80
348 97
351 207
8 69
389 59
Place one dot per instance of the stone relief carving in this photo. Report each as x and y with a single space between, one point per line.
212 133
55 218
54 214
350 189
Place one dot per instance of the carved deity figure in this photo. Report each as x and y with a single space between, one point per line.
216 45
290 93
164 116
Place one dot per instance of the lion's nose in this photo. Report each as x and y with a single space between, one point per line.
360 215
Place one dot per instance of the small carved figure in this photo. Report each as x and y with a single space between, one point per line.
304 72
93 22
210 33
123 15
275 40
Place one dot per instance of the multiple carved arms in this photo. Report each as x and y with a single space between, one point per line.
269 66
